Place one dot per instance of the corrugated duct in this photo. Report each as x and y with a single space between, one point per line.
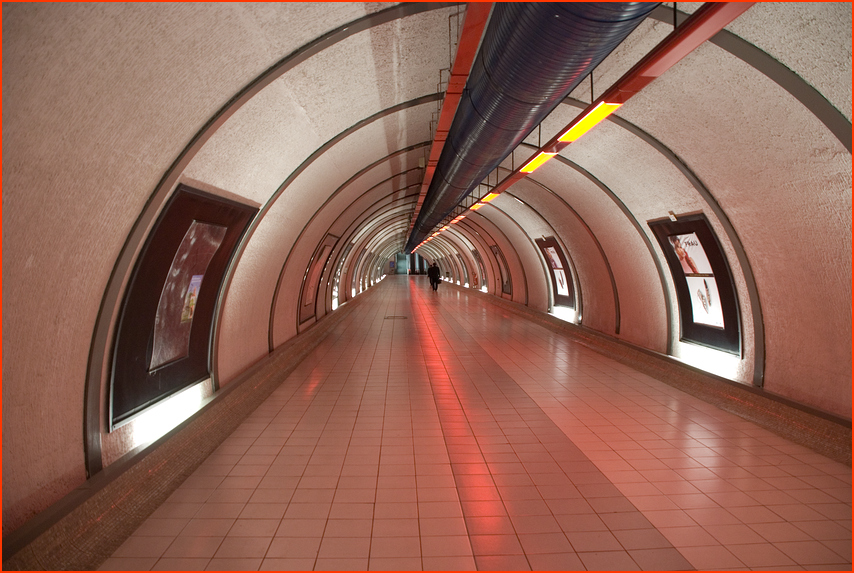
532 56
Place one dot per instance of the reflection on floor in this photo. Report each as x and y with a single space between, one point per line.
431 431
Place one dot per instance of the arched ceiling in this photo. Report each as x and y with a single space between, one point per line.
322 115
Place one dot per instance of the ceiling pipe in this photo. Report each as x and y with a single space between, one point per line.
702 25
476 15
532 56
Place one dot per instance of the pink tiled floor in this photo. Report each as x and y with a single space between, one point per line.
461 438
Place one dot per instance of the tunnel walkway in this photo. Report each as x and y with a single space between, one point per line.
435 431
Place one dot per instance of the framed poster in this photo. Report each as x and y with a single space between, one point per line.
356 276
463 269
162 340
506 282
563 290
311 282
480 268
708 306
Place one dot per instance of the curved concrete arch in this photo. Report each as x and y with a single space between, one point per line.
369 217
384 239
364 219
476 265
638 228
536 256
342 256
368 224
577 285
365 243
503 244
364 171
334 194
463 228
463 250
483 237
386 231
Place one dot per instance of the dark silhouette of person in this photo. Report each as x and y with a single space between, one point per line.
434 273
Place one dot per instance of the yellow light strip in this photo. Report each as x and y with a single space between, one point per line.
595 115
477 206
460 218
541 158
489 197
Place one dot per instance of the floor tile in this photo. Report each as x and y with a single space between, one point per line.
294 548
181 564
608 561
276 564
128 564
243 547
446 546
711 557
395 564
461 563
344 547
502 563
193 547
234 564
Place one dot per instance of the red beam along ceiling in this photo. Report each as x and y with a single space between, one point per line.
477 13
707 21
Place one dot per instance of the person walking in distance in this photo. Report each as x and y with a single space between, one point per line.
434 273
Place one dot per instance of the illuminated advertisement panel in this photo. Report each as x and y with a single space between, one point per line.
708 306
697 270
480 268
162 340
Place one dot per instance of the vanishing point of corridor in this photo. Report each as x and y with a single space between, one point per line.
432 430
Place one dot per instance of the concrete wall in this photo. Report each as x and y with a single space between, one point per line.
109 106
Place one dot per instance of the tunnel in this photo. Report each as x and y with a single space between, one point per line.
221 345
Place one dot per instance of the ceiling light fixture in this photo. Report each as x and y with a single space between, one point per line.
541 158
586 123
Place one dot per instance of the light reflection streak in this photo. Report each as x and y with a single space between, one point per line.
458 408
565 313
158 420
709 360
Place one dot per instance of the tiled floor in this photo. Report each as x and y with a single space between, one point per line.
431 431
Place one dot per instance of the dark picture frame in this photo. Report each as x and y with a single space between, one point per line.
311 279
464 270
176 282
563 290
504 270
708 305
481 281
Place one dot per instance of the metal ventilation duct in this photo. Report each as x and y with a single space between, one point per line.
532 56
